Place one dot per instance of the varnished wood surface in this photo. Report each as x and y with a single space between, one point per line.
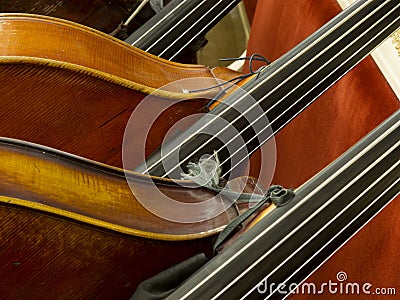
54 182
47 257
75 88
72 229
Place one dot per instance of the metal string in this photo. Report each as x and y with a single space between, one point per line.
137 10
160 21
315 213
273 121
257 86
228 7
251 107
171 28
351 222
336 174
180 21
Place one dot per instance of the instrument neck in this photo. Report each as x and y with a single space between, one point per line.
179 24
284 89
287 245
294 81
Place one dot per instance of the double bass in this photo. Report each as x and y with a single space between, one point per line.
272 258
53 72
347 112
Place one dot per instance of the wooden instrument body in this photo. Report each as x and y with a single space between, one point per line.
70 227
349 110
44 257
105 79
43 80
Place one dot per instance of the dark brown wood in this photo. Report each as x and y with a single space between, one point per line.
104 15
47 257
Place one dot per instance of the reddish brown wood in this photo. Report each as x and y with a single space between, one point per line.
71 228
75 88
47 257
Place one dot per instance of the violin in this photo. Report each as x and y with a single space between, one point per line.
90 69
104 257
87 85
77 227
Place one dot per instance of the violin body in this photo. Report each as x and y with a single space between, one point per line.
65 86
343 115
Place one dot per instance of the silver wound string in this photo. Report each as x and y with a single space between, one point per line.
293 105
357 157
268 78
228 7
160 21
292 75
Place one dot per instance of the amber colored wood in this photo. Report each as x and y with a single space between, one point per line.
55 182
103 15
75 88
72 229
